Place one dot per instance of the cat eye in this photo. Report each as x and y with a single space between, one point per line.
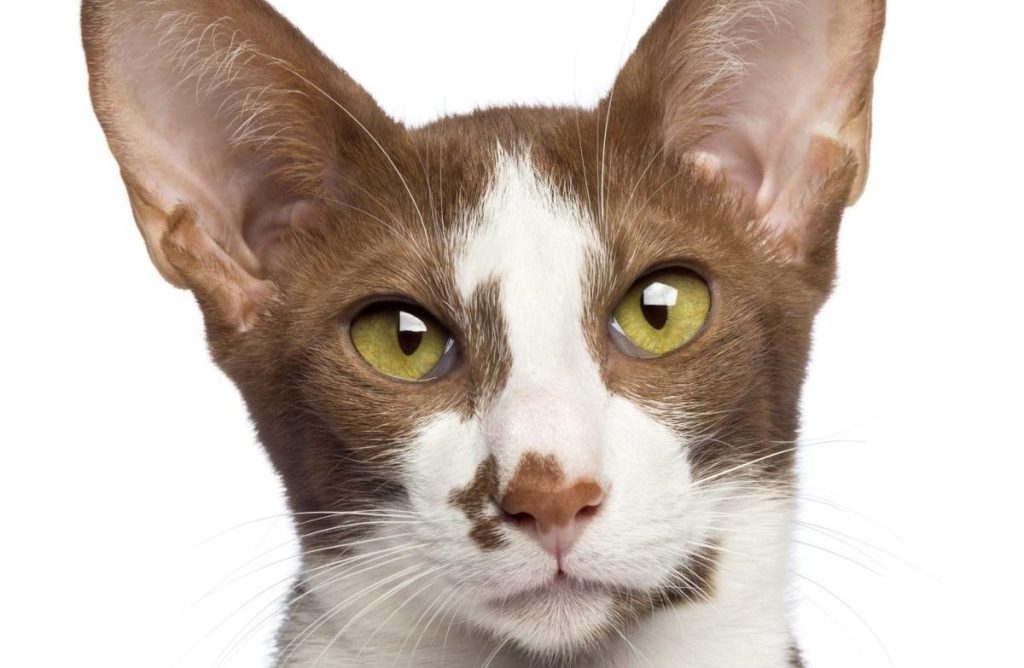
662 312
402 340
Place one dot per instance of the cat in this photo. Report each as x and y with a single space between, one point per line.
530 376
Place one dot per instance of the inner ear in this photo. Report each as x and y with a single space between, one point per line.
774 97
228 126
272 214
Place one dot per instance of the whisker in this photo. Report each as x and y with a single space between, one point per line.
383 597
742 466
494 653
291 578
397 609
633 648
290 515
856 614
839 555
412 654
366 563
235 577
320 621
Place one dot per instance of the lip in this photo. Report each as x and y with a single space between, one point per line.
560 586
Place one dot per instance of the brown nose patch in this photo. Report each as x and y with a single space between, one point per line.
474 499
539 489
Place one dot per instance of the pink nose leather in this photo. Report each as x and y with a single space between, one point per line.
553 516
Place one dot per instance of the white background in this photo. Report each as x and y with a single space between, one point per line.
127 457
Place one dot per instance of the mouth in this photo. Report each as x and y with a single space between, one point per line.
560 615
560 589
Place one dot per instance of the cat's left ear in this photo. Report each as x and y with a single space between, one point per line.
774 95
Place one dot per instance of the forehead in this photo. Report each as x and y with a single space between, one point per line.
526 199
533 241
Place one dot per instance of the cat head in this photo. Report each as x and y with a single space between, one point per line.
550 357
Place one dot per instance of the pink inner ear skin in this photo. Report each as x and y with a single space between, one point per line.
775 78
221 109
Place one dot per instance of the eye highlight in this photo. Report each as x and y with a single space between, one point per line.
662 312
402 341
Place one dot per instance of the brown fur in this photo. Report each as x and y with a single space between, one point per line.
378 207
475 500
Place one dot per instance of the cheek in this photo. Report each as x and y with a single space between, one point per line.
445 455
652 520
648 522
448 472
645 454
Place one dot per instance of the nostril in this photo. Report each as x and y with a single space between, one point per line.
586 512
520 519
552 517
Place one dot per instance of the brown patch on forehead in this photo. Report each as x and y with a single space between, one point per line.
474 500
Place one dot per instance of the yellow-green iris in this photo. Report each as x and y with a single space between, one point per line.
399 340
663 310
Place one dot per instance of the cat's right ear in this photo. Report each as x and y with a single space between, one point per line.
226 123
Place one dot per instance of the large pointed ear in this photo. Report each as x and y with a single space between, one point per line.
773 95
227 125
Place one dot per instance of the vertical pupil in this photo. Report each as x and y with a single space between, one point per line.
655 301
655 314
410 332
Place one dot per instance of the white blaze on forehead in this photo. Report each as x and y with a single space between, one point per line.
532 239
535 241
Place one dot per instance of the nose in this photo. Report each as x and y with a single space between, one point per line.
554 517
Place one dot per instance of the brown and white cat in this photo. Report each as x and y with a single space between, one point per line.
531 375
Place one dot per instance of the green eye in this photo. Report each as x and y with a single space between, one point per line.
401 340
662 311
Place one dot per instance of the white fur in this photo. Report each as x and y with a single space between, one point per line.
535 243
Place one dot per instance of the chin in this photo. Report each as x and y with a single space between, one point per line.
562 619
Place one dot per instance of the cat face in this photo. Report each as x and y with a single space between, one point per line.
540 397
544 361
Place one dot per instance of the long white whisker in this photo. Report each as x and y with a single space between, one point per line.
319 622
856 614
363 563
396 610
452 591
383 597
739 467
